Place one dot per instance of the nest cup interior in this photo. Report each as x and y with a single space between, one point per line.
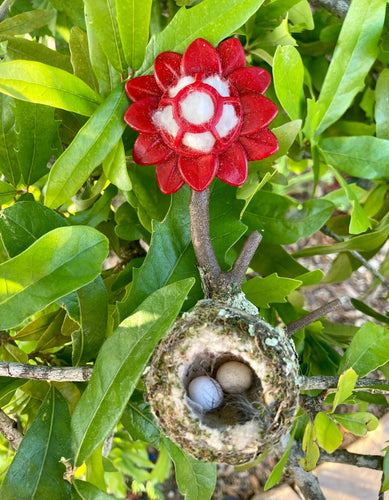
236 408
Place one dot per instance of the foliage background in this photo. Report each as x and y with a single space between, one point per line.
71 196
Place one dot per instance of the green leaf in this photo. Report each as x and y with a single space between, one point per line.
282 220
120 364
127 223
93 300
357 423
139 421
36 472
369 349
355 52
385 471
21 48
79 56
133 19
26 22
213 20
25 222
82 490
195 479
286 134
360 156
103 17
37 82
36 129
115 167
59 262
369 311
89 148
9 165
311 449
345 387
99 211
271 289
276 473
74 9
7 192
288 74
382 105
328 433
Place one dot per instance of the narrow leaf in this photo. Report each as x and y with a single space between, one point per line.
115 167
382 105
43 84
82 490
9 165
59 262
79 56
37 472
26 22
385 470
89 148
195 479
211 19
119 365
276 473
345 387
355 52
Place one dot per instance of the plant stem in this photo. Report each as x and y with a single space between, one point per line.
374 462
329 382
50 373
299 324
9 430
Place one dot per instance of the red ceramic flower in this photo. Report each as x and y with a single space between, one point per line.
201 115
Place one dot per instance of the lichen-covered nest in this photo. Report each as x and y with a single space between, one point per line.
245 424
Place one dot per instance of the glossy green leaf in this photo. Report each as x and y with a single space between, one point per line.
99 211
355 52
276 473
24 222
345 387
37 471
103 17
7 192
9 165
127 223
37 327
357 423
115 167
288 75
59 262
79 56
119 365
271 289
286 134
385 471
89 148
369 349
282 220
195 479
52 336
74 9
82 490
133 19
37 82
139 421
26 22
36 129
93 300
301 16
21 48
382 105
328 433
364 156
369 311
213 20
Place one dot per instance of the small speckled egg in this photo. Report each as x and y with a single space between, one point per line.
234 377
206 392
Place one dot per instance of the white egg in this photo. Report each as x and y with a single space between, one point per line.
234 377
206 392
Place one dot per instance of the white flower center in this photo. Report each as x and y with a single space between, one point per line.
164 119
181 83
217 83
197 108
228 120
203 142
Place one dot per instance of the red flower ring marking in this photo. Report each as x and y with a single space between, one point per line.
201 115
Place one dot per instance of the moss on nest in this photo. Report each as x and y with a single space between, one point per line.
246 424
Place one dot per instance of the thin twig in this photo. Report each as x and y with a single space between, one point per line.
329 382
326 230
52 373
9 430
337 7
374 462
239 269
299 324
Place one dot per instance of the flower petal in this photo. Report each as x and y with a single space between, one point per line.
249 80
150 149
198 173
200 57
167 68
258 112
141 87
168 175
232 55
260 145
233 165
139 115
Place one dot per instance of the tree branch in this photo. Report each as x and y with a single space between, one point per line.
337 7
239 269
9 430
358 460
328 382
299 324
307 483
51 373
